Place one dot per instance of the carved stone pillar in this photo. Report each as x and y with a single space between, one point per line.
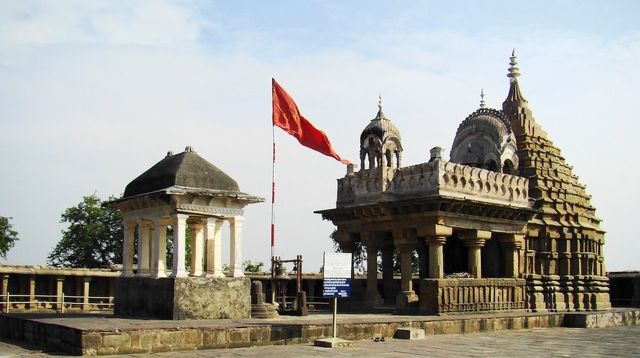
160 252
474 240
129 227
179 233
5 289
32 292
59 293
213 237
406 270
436 256
86 281
143 249
511 243
235 262
196 248
373 297
387 274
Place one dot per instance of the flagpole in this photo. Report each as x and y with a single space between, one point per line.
273 190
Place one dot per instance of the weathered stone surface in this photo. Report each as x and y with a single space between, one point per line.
183 298
409 333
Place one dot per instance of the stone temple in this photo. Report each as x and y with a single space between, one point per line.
503 225
182 192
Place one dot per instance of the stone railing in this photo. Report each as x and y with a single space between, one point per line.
435 178
471 295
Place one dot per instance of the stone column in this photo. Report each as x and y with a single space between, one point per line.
196 249
32 292
436 256
160 252
474 240
143 249
127 248
85 292
59 293
5 289
406 272
179 233
373 297
235 262
387 273
213 237
511 243
423 260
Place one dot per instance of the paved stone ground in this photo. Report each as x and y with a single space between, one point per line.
544 342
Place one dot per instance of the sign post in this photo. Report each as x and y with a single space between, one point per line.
336 283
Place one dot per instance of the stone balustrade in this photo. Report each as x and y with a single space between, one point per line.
435 178
470 295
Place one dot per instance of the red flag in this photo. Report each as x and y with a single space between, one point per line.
287 116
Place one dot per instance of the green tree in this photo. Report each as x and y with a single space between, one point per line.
249 266
93 238
8 236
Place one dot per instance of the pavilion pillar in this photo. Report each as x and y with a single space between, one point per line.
59 293
387 273
213 238
235 262
179 233
435 238
86 281
127 248
160 252
196 249
143 249
474 240
436 256
406 272
511 243
5 290
32 292
373 297
346 245
405 241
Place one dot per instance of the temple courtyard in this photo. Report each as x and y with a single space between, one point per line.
539 342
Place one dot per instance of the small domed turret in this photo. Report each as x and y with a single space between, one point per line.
380 143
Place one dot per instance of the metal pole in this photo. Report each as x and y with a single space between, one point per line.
335 313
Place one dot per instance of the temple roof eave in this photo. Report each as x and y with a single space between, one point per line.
182 190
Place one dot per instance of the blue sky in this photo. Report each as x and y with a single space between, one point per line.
92 93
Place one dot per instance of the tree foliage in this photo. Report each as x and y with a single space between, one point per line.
93 238
8 236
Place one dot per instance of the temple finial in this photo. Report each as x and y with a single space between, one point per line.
380 101
514 71
482 104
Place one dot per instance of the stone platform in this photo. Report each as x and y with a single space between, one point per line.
102 334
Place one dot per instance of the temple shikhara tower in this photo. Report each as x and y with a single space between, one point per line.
503 225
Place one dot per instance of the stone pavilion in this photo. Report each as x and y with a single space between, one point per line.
185 194
503 225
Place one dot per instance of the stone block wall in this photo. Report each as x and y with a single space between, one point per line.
183 298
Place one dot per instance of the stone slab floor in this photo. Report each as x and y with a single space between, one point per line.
543 342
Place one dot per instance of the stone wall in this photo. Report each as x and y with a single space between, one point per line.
183 298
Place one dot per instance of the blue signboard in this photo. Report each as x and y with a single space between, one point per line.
336 287
337 275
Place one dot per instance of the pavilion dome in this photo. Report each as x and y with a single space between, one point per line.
485 140
380 143
186 169
381 127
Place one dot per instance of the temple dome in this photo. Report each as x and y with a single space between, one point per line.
381 127
186 169
380 143
485 139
